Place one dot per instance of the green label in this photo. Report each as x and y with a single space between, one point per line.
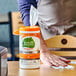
28 42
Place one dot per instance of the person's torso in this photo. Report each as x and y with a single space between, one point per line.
56 11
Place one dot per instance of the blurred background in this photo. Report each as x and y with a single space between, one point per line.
6 36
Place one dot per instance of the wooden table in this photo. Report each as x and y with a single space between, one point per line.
13 70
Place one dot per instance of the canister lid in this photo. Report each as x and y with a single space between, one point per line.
30 28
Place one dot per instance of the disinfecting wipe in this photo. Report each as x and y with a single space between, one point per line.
29 47
61 67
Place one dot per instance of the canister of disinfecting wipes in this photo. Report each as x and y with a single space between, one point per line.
29 46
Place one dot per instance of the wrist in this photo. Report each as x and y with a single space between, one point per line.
43 50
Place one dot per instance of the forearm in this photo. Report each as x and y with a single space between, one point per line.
43 46
24 8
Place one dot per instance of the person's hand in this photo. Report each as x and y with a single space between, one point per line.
48 58
53 60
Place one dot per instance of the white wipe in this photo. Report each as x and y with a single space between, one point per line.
67 67
61 67
33 16
73 62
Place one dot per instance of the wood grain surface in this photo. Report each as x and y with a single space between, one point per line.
56 41
62 41
13 70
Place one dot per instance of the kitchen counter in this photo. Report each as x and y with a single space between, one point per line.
13 70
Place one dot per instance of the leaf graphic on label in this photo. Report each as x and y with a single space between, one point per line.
28 42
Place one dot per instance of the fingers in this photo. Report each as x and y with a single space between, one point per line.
49 61
57 62
61 63
64 59
53 61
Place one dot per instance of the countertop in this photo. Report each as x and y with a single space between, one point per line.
13 70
